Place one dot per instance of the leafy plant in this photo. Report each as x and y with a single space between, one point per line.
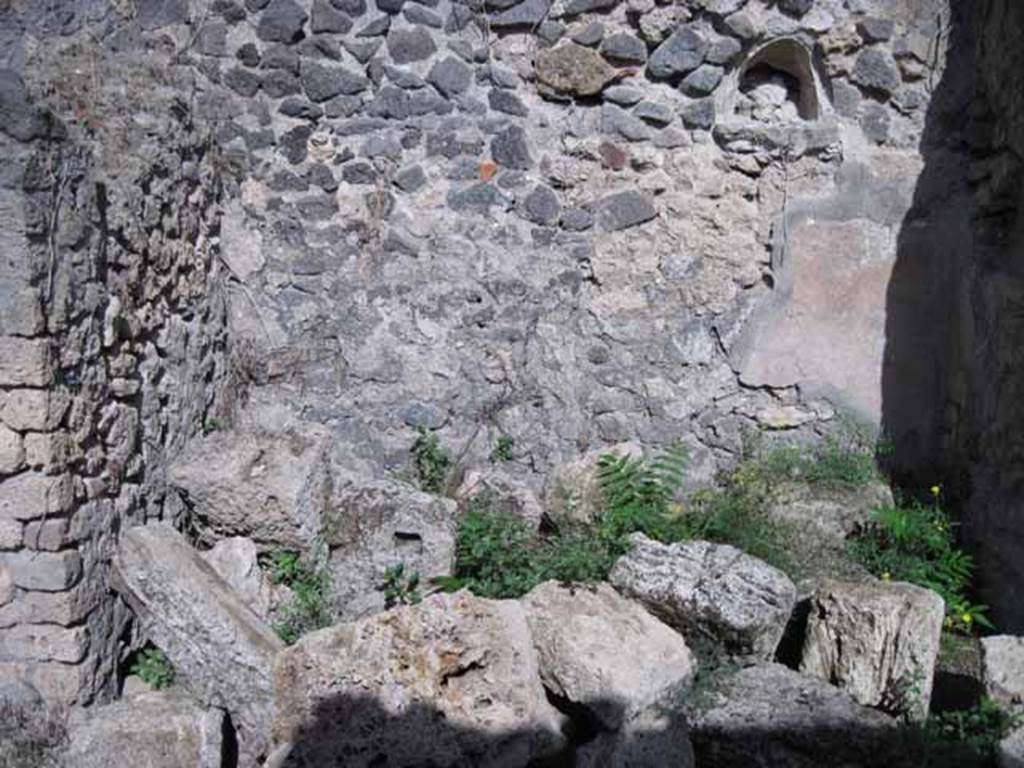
502 450
980 728
152 665
495 553
639 496
431 462
916 542
310 585
398 588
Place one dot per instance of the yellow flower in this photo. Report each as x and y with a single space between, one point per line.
949 621
886 576
966 618
936 490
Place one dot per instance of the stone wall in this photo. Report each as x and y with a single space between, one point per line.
988 391
565 222
112 341
574 223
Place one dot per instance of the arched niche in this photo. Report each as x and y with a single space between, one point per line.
776 83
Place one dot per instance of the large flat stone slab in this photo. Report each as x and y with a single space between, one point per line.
222 651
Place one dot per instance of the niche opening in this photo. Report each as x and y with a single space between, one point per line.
777 84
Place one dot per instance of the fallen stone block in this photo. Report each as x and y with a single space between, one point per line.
452 681
156 729
876 640
721 599
374 525
221 650
273 488
580 634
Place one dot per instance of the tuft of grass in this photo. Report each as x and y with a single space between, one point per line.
154 668
502 450
310 584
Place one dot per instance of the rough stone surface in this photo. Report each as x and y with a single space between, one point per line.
717 596
272 488
682 52
876 70
1003 669
770 715
504 491
579 633
877 641
377 524
572 493
623 210
221 650
235 561
157 729
451 681
573 69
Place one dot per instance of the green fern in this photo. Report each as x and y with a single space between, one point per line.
638 495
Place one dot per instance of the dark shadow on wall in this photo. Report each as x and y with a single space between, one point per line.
951 379
918 414
355 732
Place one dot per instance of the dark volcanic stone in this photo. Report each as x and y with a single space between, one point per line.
282 22
248 54
624 210
590 34
278 83
527 13
703 80
322 82
624 48
242 81
390 6
326 18
682 52
409 45
294 106
375 28
480 197
795 7
507 102
541 206
510 150
450 76
362 51
576 7
417 14
353 8
410 179
280 57
699 114
877 70
294 144
359 172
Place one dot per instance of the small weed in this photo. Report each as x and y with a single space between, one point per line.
502 450
848 457
152 665
310 585
212 425
431 462
399 589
